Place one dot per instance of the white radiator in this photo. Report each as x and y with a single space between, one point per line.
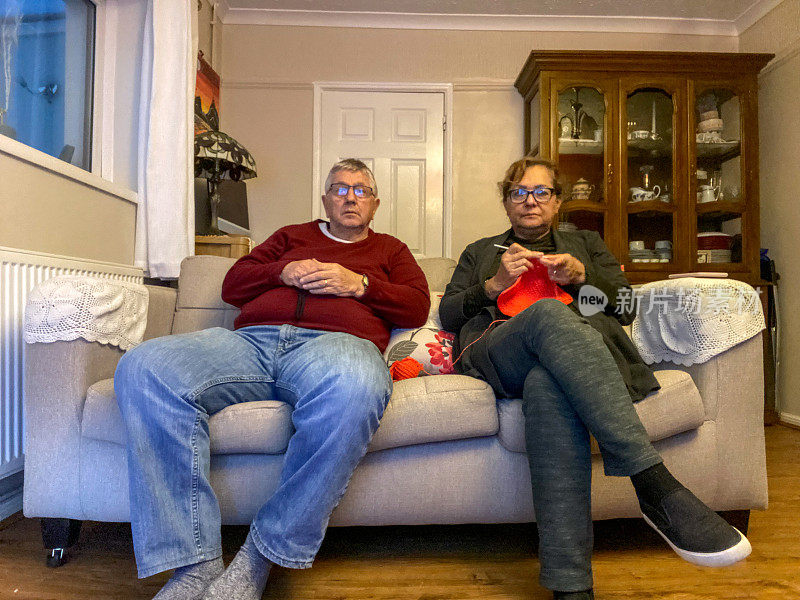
20 271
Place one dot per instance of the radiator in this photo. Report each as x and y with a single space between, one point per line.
20 272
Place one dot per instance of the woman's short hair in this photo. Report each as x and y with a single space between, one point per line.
516 172
352 165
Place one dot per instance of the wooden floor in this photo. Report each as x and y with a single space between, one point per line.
495 562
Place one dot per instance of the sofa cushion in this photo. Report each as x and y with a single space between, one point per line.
200 281
675 408
262 427
436 409
432 409
438 271
427 350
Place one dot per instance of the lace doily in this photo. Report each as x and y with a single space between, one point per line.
97 310
690 320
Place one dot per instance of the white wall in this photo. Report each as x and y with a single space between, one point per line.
779 149
267 101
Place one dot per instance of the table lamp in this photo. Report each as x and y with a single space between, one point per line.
218 156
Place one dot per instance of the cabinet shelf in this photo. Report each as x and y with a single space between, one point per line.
650 206
650 148
720 207
587 205
571 146
719 151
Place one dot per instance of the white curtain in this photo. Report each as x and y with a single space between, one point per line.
165 216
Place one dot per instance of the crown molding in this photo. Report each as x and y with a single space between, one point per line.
389 20
489 85
787 54
751 16
223 8
264 84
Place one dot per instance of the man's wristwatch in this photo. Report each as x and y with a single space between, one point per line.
365 281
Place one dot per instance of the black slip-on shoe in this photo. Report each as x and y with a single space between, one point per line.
585 595
695 532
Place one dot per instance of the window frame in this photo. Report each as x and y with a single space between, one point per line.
101 176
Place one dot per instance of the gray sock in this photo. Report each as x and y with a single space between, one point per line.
191 581
245 578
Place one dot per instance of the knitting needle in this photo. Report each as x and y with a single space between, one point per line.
501 247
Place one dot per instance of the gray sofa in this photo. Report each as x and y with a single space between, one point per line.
446 452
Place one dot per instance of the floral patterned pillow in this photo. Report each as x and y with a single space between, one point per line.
424 351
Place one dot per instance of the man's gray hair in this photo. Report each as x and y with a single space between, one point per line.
353 165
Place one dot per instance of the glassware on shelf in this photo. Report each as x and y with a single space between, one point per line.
577 114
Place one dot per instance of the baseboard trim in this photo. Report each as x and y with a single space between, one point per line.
789 419
10 503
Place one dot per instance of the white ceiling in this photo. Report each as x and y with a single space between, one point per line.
714 17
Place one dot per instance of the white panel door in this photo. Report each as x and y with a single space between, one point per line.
399 135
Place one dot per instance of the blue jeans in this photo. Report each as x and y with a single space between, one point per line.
338 386
570 387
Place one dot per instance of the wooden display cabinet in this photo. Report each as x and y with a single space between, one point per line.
681 127
229 246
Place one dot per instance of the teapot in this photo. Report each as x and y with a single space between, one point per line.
707 193
582 189
642 195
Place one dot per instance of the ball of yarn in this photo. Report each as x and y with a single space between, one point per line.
405 368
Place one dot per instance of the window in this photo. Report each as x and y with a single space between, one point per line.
46 79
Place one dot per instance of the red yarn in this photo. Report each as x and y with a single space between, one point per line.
405 368
532 285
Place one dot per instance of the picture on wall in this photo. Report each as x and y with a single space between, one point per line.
206 101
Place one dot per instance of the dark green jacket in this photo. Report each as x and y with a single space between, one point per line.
466 291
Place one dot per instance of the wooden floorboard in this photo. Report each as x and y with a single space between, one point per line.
496 562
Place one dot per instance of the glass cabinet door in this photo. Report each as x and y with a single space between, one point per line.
648 183
580 144
717 184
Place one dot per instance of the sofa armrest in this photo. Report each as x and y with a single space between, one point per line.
733 379
160 311
732 388
57 376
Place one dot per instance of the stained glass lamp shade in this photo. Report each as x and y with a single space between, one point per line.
218 156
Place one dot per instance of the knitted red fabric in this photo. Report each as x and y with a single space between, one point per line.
532 285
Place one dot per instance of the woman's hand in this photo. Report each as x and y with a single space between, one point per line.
564 269
514 262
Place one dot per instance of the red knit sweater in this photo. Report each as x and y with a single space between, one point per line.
397 295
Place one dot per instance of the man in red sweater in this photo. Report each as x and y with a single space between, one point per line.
318 302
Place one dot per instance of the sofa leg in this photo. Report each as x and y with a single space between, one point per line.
57 536
738 518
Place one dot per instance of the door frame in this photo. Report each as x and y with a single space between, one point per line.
447 167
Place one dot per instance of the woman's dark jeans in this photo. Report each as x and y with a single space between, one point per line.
570 387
